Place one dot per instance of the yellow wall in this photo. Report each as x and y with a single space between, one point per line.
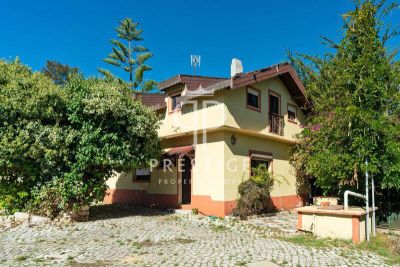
209 114
229 115
208 170
285 181
160 182
328 226
333 225
241 117
230 110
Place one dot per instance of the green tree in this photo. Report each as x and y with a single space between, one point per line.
129 56
355 106
62 143
58 72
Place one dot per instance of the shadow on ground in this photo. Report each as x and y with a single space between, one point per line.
115 211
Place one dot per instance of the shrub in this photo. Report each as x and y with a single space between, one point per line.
47 200
254 193
59 145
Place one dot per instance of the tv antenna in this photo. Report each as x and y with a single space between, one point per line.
195 62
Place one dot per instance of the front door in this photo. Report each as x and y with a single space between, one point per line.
186 181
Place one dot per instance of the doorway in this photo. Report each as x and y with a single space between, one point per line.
186 180
274 108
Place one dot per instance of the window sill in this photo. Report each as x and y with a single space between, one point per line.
253 108
291 121
174 111
141 182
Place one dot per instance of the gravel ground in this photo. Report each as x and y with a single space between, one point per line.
129 236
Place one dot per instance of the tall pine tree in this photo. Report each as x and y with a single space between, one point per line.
129 56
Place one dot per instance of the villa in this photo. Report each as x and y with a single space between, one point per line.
213 130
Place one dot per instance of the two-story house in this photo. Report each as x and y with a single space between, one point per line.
213 130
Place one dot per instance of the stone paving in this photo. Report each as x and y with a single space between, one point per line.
283 221
128 236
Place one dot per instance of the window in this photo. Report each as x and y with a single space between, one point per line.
255 163
274 104
253 98
175 102
276 121
260 158
292 113
143 175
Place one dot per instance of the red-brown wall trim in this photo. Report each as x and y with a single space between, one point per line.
288 202
205 204
356 229
299 221
141 198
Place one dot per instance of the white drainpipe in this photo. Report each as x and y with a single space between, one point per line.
346 197
367 223
373 205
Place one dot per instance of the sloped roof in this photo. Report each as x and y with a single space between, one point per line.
284 71
208 85
192 82
151 100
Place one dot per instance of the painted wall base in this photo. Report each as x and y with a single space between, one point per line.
140 197
336 223
204 204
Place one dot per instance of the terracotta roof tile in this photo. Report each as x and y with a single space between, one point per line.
284 71
150 100
192 82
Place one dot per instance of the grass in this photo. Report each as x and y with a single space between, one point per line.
21 258
381 245
309 240
38 260
120 242
184 240
144 243
172 218
218 228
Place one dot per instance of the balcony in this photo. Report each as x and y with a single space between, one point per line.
276 124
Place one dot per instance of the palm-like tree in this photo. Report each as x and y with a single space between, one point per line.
129 56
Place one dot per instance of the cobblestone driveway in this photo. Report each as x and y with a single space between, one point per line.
126 236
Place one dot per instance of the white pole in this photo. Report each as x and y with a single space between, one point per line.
366 200
373 205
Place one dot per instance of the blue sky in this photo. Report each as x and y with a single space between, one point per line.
77 32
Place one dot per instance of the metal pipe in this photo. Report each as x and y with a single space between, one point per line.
346 197
368 226
373 205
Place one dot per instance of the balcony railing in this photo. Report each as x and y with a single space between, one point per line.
276 124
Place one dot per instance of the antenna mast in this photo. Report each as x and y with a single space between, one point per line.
195 62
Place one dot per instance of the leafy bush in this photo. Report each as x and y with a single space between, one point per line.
59 145
355 107
12 200
47 200
255 193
